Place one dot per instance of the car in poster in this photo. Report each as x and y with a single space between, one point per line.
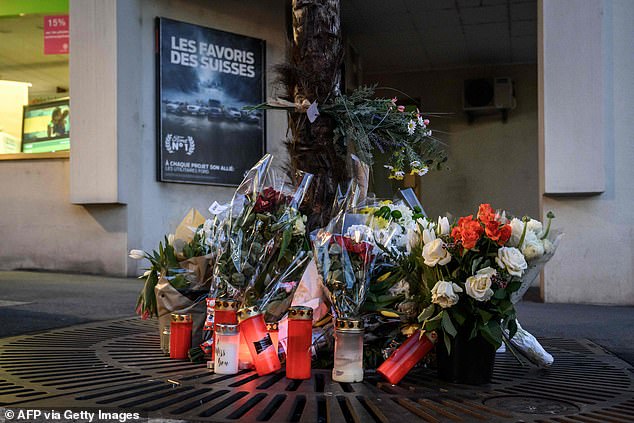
251 116
195 110
214 112
233 113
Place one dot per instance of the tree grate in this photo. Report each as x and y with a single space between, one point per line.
118 365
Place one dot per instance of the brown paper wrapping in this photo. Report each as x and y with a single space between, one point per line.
186 229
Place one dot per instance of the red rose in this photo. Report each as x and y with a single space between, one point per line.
363 249
268 200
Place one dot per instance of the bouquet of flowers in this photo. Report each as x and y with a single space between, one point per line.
266 247
369 124
184 262
464 276
344 255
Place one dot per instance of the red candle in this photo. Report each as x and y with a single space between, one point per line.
263 353
300 337
406 356
274 331
180 335
225 313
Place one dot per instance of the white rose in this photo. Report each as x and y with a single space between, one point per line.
512 260
535 226
170 239
443 226
533 249
136 254
445 294
435 253
517 227
548 246
478 286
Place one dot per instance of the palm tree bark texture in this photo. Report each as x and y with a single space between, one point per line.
314 74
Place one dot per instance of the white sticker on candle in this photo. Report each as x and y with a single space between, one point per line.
312 112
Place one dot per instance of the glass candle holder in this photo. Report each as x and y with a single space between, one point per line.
406 356
263 354
225 313
165 341
227 349
348 366
244 362
300 337
180 335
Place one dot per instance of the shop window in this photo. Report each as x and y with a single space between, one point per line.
34 80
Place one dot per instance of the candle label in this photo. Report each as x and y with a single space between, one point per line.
263 344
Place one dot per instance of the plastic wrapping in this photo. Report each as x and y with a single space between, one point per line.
344 255
530 347
265 249
535 267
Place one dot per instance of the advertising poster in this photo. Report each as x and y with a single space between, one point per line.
204 79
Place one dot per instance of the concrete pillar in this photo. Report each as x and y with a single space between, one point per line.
586 86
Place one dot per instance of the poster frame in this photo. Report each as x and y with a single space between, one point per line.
160 177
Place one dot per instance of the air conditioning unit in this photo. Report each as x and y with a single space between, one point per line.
488 94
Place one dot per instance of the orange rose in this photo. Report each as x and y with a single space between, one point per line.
486 213
498 233
468 231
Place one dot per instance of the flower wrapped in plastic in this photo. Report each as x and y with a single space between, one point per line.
345 254
265 238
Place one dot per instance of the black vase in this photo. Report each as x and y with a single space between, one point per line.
470 361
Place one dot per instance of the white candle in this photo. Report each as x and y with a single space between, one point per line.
227 349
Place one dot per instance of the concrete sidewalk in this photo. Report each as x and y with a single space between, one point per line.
36 301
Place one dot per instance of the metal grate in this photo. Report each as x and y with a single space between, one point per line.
118 365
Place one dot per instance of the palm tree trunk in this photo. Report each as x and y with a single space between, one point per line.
314 74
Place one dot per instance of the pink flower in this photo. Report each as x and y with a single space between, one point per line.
401 108
426 122
394 100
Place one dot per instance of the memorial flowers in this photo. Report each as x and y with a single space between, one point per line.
182 262
367 124
266 247
463 278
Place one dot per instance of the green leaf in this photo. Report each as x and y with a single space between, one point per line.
459 317
500 294
512 325
426 313
447 341
486 316
286 240
492 332
447 325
